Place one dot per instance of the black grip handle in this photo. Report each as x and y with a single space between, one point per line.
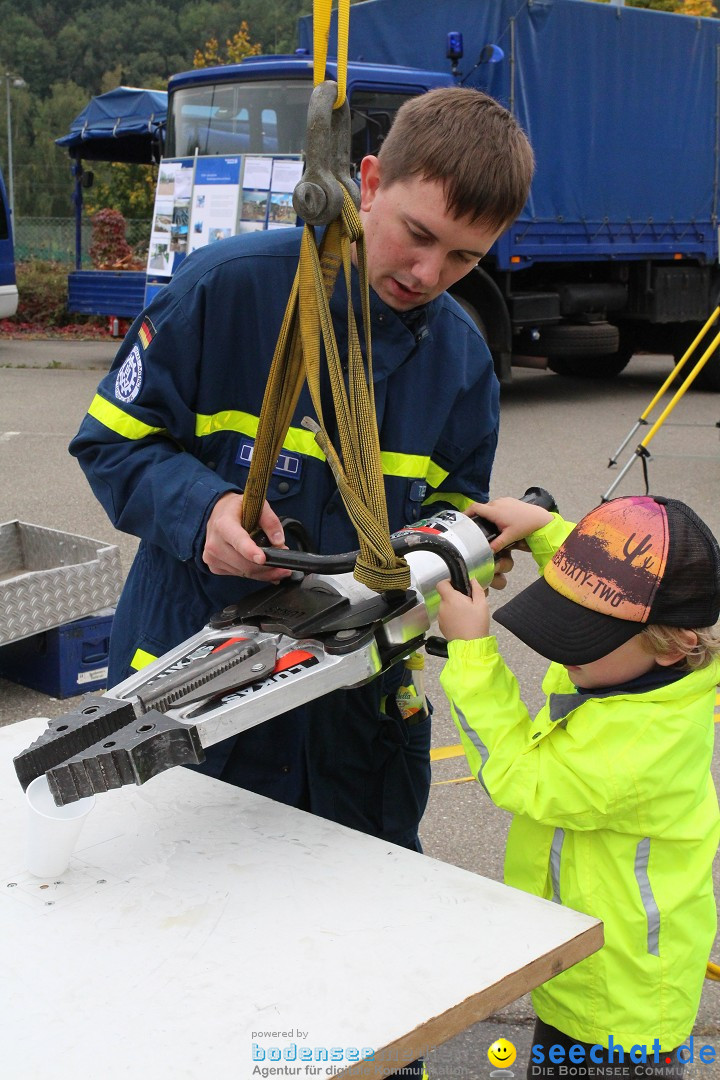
308 562
537 496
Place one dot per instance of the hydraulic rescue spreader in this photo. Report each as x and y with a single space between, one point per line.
320 630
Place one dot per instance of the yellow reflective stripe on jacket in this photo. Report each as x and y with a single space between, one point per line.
460 502
299 441
118 420
141 659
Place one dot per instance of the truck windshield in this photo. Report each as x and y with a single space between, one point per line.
268 117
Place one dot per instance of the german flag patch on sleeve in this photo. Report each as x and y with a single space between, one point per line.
146 333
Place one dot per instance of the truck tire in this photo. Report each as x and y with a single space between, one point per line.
573 340
590 367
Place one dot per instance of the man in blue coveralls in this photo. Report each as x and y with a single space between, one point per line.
167 440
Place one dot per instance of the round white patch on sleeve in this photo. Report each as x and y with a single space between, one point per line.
129 377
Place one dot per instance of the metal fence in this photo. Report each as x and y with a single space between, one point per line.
53 239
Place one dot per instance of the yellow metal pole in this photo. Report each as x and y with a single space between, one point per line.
641 449
680 392
671 377
681 363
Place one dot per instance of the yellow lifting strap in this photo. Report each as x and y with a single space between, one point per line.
322 13
307 334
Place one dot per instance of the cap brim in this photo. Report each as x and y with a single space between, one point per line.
561 630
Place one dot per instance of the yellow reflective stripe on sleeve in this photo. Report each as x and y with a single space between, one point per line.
411 465
141 659
460 502
414 466
435 475
119 421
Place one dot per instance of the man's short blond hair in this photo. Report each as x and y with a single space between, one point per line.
471 144
662 640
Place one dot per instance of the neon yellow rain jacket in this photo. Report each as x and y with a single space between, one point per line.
615 815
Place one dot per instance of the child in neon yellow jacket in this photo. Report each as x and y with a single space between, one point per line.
615 811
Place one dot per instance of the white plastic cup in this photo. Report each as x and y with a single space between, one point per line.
52 831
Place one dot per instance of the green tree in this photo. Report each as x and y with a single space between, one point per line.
43 184
26 50
120 186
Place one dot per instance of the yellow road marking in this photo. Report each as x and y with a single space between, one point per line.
442 752
459 780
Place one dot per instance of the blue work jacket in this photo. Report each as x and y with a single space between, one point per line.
172 425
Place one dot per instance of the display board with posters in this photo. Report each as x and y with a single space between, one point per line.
200 200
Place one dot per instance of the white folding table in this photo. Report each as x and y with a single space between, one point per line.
202 931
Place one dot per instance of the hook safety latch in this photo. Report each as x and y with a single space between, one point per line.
318 197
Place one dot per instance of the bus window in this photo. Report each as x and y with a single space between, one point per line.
8 287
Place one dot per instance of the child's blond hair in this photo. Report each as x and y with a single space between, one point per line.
661 640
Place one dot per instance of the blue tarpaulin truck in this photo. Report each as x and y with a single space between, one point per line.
616 250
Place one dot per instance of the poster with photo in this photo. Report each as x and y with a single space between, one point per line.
169 233
179 226
286 172
214 201
257 175
267 187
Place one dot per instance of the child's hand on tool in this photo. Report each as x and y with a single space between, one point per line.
463 617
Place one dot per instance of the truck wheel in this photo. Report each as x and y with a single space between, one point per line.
590 367
574 340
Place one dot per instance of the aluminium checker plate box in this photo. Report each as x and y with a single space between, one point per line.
49 578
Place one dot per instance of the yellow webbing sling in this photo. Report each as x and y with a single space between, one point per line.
298 357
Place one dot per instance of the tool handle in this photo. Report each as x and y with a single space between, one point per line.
537 496
308 562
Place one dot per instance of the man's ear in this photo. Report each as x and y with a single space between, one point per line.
369 180
689 637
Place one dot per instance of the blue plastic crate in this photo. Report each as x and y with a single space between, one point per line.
69 660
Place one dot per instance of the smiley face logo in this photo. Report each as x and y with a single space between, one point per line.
501 1054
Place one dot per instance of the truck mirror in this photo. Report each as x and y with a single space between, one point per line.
87 179
491 54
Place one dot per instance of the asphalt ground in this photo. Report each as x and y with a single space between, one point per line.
556 432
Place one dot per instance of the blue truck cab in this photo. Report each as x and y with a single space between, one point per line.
616 250
260 105
8 284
